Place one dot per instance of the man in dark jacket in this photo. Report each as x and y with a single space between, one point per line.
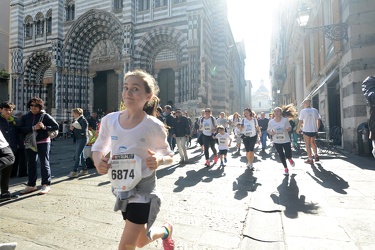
181 131
169 120
9 142
368 88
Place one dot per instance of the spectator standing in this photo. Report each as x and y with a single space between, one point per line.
368 88
80 130
8 125
181 134
41 122
8 147
93 121
169 120
138 144
309 123
159 114
20 165
263 124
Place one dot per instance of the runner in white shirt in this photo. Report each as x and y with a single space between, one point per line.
250 130
131 145
279 128
309 123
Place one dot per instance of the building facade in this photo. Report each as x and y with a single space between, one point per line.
261 100
326 61
74 53
4 48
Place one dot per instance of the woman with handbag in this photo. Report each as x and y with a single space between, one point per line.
37 121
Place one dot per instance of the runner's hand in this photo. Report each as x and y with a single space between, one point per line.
102 165
152 162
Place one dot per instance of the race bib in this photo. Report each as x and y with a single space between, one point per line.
280 136
125 172
207 127
222 141
249 130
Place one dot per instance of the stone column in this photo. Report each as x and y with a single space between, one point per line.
120 85
299 83
90 93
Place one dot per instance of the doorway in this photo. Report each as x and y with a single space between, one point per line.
105 92
167 87
334 101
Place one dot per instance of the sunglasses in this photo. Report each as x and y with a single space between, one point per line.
33 105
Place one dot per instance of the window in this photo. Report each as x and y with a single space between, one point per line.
161 3
70 9
179 1
118 4
28 28
39 22
327 20
260 104
312 58
143 5
49 22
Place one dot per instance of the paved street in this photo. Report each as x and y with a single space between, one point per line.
330 205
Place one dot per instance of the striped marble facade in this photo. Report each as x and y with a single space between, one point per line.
58 46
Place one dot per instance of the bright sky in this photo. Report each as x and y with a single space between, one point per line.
251 20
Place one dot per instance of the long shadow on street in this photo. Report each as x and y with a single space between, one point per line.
288 196
328 179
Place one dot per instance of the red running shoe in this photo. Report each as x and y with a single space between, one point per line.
168 243
216 158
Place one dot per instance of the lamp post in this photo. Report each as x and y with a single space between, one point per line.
334 32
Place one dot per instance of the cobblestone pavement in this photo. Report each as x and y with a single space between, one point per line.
329 205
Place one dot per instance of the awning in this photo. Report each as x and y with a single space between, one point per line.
329 78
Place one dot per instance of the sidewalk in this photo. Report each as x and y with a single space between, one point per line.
326 206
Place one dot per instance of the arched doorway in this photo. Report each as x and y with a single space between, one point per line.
166 83
105 91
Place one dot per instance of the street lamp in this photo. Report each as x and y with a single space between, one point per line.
334 32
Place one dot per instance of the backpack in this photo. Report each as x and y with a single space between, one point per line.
321 127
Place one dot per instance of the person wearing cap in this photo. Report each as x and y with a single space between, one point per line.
208 125
224 141
181 133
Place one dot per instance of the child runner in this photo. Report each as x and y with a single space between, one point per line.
238 136
279 128
136 142
224 142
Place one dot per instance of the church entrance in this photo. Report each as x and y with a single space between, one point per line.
166 83
105 92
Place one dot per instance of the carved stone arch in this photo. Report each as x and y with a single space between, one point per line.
69 3
39 16
49 13
87 31
28 19
36 65
158 38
